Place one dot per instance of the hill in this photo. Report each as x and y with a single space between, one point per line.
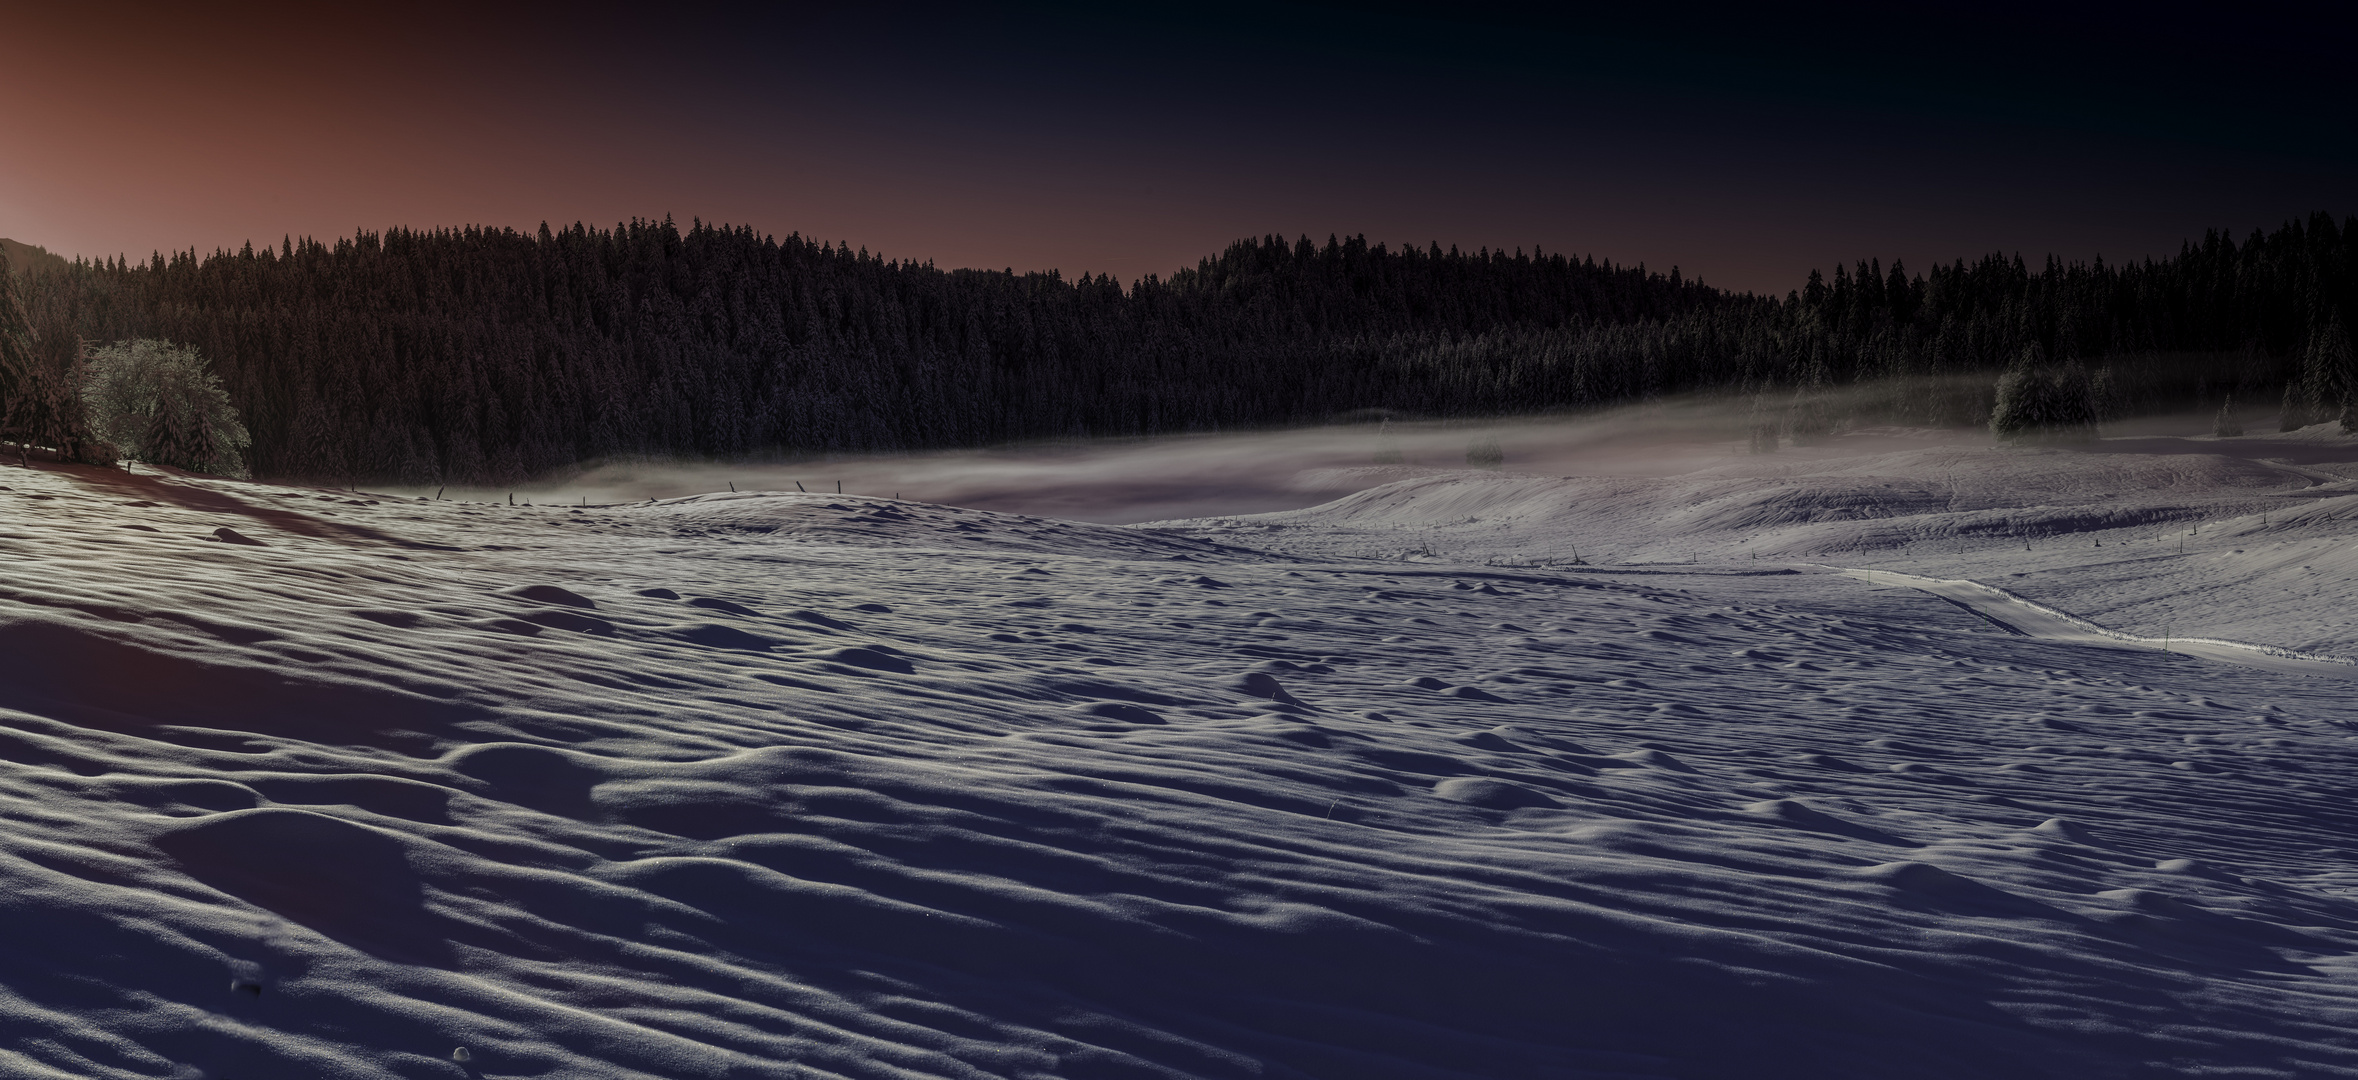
488 356
24 257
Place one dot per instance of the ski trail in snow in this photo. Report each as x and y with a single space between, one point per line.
2040 621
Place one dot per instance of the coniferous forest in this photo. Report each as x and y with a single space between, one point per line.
481 356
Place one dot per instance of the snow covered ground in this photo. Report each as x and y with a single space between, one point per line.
784 785
2246 539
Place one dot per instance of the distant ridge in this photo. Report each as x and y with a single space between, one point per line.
485 356
22 257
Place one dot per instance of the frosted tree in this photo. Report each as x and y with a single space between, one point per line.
1762 426
39 406
2042 404
1810 419
16 354
2227 426
160 403
2294 414
2332 372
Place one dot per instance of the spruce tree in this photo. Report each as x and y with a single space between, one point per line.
2335 370
18 373
2226 426
39 406
2324 372
2020 408
2048 404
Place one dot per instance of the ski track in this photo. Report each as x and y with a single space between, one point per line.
2220 539
2037 620
775 785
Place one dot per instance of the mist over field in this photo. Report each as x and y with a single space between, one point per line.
1118 481
1123 481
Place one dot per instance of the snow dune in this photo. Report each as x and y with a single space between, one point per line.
782 785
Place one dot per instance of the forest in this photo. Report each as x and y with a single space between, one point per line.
487 356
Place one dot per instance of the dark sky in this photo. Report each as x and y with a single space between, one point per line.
1745 145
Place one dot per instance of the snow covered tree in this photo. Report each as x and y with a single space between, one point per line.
2332 372
2294 414
2043 404
38 406
2227 426
16 353
163 405
2323 377
1810 420
1387 451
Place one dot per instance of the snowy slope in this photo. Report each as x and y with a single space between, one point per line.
774 785
2246 539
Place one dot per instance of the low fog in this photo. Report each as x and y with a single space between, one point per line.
1122 481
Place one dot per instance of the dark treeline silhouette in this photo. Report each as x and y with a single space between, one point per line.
485 356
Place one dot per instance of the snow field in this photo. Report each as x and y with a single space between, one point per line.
773 785
2245 539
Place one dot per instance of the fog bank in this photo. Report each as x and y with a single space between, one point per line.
1122 481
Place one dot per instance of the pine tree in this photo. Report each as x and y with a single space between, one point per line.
2334 370
2044 404
2226 426
39 406
1762 427
2325 374
1809 420
18 374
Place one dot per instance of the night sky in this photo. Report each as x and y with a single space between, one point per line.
1743 145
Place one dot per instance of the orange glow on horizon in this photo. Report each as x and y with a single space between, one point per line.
129 131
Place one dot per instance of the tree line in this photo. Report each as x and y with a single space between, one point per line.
488 355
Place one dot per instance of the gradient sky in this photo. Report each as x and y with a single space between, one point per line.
1745 145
